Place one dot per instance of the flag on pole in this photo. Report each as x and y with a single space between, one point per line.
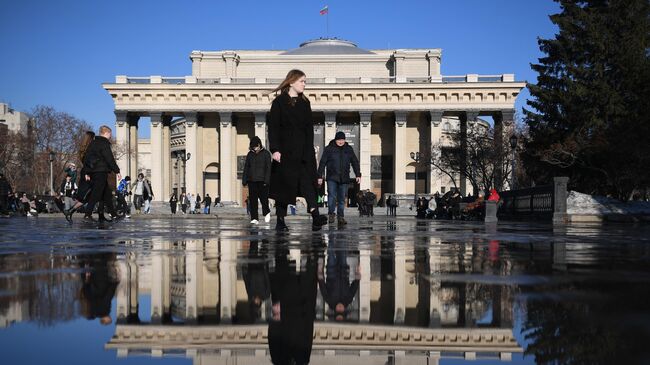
324 10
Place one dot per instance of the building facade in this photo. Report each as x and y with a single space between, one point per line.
389 102
13 121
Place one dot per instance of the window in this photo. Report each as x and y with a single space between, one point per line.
443 189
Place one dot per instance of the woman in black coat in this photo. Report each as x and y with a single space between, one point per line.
291 142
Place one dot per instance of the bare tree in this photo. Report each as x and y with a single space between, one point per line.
488 163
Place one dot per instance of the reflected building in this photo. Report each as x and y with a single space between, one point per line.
412 304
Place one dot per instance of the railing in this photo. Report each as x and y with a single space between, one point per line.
173 80
540 202
470 78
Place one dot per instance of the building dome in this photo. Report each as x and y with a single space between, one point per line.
327 46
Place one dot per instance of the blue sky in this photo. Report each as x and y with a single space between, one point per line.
59 52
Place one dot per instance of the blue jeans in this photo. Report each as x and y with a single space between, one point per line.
336 194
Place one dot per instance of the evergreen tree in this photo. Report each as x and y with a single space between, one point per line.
588 112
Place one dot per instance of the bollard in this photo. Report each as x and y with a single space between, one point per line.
491 211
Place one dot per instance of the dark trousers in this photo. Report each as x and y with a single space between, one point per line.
307 190
3 204
122 204
258 190
336 192
101 192
173 206
184 208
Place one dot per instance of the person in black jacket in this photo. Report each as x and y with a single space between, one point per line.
100 161
337 158
5 193
257 175
291 142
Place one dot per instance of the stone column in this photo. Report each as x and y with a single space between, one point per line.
400 154
436 134
464 118
167 170
364 148
122 139
226 149
191 147
435 303
193 280
559 199
160 282
227 280
127 290
157 175
364 285
260 127
133 146
400 287
330 126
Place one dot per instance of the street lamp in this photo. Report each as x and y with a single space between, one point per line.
52 155
415 156
183 157
513 147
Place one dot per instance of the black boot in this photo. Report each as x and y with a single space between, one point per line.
68 213
317 220
280 213
280 226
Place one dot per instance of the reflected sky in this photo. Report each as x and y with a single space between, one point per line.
379 291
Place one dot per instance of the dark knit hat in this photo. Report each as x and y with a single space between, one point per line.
339 135
255 141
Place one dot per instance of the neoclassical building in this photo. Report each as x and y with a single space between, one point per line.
389 102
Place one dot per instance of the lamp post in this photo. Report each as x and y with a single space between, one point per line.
513 147
52 155
183 157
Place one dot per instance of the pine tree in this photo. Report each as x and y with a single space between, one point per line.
588 112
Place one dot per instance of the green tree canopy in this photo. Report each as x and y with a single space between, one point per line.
587 116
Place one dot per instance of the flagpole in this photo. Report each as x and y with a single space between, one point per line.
327 19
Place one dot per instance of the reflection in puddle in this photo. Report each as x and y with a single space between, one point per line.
371 295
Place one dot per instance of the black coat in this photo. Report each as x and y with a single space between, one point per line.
337 160
99 157
5 187
291 132
257 167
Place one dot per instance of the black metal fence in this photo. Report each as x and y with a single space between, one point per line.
546 202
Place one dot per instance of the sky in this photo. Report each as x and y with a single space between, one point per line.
58 53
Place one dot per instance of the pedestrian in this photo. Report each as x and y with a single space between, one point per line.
217 201
207 202
100 161
5 195
192 203
291 142
138 189
257 175
173 201
147 195
197 204
84 185
121 193
337 158
184 202
68 190
71 171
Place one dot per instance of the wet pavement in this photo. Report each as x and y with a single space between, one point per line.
380 290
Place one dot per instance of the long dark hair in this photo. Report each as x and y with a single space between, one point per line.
85 142
292 77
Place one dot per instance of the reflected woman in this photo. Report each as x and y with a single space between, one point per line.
291 142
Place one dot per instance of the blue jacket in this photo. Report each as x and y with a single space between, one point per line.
337 160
